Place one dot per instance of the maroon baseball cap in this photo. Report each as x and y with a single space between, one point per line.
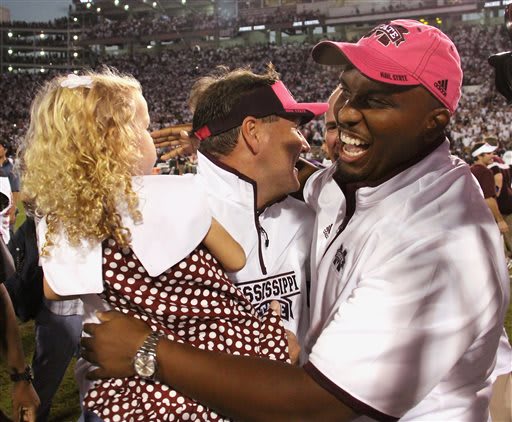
402 52
263 101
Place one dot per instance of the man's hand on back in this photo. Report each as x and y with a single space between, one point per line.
113 344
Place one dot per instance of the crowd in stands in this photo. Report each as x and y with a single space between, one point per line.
59 23
167 77
191 21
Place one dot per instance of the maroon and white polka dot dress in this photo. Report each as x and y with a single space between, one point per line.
193 302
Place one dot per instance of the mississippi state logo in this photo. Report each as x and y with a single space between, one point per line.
339 258
388 34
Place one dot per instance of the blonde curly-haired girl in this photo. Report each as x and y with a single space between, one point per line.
120 239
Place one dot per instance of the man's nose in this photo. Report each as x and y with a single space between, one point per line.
305 144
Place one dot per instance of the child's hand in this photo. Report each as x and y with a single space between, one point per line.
178 139
293 342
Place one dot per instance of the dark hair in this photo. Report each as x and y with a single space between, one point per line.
476 146
6 145
213 97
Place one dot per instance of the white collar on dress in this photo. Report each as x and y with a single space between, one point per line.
176 218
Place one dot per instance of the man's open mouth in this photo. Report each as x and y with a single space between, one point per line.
353 147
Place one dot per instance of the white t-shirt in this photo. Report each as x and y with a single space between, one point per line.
408 299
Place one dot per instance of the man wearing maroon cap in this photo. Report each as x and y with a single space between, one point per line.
409 288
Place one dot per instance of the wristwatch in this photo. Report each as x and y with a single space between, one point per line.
26 375
144 361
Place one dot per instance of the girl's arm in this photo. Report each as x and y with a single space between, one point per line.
224 248
51 295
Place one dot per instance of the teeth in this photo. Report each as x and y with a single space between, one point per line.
351 141
352 153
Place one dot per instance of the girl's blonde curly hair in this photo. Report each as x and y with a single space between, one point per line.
79 155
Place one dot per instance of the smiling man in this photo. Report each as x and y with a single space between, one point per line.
409 281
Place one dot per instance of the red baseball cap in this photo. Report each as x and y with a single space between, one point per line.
402 52
261 102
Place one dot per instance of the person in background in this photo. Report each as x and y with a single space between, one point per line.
7 170
331 136
482 154
24 398
58 324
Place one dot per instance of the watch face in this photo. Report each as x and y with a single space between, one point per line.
145 365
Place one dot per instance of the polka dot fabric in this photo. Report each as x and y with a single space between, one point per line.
193 302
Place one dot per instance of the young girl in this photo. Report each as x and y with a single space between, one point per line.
144 245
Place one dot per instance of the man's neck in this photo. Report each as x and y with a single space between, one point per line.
263 200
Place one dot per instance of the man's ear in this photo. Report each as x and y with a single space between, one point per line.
249 131
436 122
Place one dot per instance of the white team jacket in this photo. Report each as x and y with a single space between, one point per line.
408 299
276 242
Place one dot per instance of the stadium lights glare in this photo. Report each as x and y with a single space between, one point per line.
42 70
149 47
126 6
41 36
42 53
98 9
9 34
75 72
14 124
75 54
88 5
154 4
9 51
75 37
9 68
116 2
75 19
183 1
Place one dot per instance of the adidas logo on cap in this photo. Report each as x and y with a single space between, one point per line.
442 86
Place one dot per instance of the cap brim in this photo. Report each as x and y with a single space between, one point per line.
329 53
367 60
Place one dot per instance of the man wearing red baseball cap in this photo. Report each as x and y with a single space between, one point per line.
409 285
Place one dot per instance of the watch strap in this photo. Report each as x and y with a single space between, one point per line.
149 345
